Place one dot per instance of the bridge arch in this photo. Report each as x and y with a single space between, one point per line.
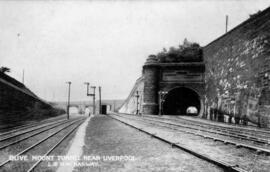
179 99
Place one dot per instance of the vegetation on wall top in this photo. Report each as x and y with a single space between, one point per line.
187 52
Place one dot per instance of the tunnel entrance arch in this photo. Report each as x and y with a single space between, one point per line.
171 86
179 99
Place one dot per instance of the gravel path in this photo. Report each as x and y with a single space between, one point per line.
75 148
113 146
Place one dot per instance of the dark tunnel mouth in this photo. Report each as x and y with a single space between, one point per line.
179 99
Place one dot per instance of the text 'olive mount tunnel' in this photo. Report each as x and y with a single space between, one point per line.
179 99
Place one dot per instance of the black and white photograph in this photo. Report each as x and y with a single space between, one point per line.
134 85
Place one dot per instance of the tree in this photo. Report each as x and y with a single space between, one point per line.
187 52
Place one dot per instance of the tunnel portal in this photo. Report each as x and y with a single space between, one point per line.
178 100
174 83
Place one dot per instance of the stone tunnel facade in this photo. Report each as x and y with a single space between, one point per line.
236 81
177 72
161 82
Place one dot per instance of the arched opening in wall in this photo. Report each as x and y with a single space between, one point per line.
73 110
182 101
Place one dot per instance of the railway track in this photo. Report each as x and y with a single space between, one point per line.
228 167
262 138
13 138
13 133
45 144
230 125
247 140
31 124
228 128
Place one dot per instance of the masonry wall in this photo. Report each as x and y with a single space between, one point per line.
238 71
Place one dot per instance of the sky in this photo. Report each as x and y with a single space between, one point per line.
103 42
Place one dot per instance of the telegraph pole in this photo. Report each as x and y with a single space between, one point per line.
87 87
69 83
94 96
99 89
227 19
94 99
87 90
137 102
23 77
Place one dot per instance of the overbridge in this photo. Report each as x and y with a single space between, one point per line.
81 106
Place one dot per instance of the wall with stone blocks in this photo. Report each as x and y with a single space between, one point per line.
238 70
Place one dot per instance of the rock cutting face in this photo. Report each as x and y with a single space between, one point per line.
178 100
